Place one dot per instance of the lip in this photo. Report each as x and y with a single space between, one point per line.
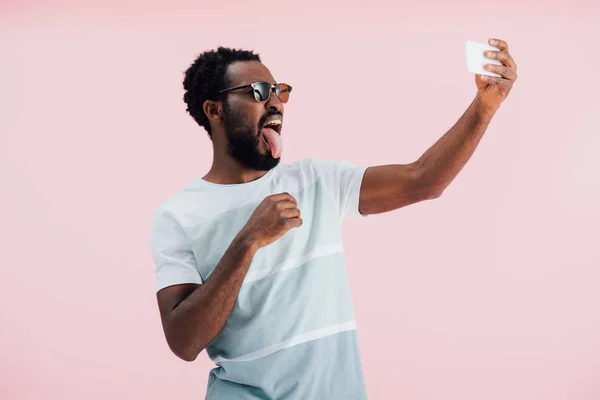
274 118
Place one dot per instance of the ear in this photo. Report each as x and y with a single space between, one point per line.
213 110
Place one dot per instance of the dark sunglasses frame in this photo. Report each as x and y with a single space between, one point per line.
273 88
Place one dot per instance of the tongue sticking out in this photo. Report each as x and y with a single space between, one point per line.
274 141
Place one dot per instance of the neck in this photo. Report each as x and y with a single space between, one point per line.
227 171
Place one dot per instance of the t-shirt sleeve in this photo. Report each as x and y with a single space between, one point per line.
173 256
343 182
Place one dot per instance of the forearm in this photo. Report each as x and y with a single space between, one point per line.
199 318
442 162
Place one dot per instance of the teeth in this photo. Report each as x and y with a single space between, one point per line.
274 122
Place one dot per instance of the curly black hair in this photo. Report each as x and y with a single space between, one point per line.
206 76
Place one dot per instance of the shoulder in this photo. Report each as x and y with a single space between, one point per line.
182 203
312 165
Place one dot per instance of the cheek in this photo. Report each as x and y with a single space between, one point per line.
249 111
256 112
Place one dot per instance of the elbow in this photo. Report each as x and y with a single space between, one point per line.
187 357
429 193
424 187
181 343
187 353
435 194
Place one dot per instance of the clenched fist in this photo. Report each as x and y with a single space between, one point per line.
273 217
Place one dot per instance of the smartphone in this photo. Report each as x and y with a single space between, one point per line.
476 60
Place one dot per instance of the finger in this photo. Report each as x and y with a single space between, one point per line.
291 213
286 204
285 196
499 43
503 57
294 222
492 80
502 70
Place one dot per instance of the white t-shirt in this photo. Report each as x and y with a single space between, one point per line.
292 332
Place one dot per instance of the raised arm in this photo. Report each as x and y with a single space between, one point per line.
389 187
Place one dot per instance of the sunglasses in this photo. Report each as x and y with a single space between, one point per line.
262 91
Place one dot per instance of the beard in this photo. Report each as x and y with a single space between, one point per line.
243 141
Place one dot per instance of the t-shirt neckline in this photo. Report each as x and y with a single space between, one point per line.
258 181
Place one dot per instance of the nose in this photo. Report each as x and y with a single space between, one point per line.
274 104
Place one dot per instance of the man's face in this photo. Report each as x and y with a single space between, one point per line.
244 117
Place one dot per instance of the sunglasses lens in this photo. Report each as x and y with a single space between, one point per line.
261 91
283 91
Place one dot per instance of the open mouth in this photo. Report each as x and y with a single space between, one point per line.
274 124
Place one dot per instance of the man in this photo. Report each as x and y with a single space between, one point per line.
249 258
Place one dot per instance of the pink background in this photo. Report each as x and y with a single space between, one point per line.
490 292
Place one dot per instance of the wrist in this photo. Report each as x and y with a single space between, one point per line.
247 242
483 108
